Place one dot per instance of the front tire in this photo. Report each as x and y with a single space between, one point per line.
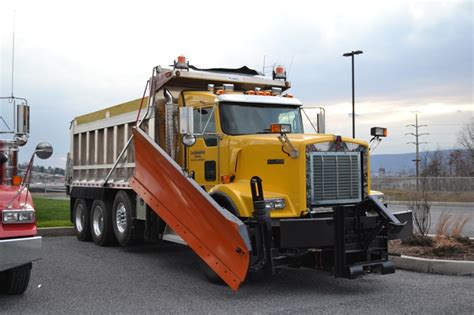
15 281
226 203
101 223
81 216
210 274
122 215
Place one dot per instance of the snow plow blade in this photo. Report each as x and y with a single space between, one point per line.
214 234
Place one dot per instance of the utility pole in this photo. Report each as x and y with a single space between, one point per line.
417 143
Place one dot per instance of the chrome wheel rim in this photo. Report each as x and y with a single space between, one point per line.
79 219
98 221
121 218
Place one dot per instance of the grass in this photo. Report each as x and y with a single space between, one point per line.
51 212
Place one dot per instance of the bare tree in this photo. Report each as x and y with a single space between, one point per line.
466 135
420 204
466 140
435 164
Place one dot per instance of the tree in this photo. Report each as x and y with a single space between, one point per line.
434 164
466 135
466 141
421 204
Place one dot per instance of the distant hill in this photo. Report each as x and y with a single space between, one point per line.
397 164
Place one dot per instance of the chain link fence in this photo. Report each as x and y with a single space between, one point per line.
432 184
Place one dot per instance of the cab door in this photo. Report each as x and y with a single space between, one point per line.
202 158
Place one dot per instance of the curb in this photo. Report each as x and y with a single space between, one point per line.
56 231
437 266
434 203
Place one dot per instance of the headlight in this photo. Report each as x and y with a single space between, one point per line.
18 216
275 204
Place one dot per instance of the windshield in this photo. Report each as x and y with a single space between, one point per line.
249 118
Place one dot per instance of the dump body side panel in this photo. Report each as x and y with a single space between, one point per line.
217 236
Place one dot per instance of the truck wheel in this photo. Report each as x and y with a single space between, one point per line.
81 215
225 202
122 214
210 275
101 223
15 281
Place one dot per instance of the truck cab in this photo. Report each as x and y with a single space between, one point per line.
238 135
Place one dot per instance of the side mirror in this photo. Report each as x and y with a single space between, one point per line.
22 119
44 150
189 140
321 121
186 125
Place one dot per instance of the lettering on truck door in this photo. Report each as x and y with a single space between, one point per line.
203 156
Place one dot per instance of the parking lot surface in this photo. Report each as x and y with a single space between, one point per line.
77 277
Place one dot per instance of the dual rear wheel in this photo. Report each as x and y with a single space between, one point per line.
106 222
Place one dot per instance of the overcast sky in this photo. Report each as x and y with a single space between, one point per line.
73 57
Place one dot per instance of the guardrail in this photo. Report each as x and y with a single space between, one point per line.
47 187
433 184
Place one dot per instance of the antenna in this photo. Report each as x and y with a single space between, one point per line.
13 53
291 65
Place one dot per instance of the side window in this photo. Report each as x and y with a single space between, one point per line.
204 120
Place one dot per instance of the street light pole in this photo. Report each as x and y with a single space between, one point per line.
351 54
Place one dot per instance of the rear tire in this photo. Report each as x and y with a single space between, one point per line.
15 281
123 210
101 223
81 217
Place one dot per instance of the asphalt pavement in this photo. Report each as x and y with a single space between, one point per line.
454 211
77 277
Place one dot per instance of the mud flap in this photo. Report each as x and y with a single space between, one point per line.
214 234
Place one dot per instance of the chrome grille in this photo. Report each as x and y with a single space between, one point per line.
335 177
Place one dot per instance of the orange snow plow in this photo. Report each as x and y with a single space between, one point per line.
213 233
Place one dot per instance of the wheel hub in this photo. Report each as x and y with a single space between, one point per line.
79 219
121 218
98 221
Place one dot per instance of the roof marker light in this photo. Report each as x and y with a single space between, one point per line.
181 63
279 72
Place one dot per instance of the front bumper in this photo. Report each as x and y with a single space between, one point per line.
19 251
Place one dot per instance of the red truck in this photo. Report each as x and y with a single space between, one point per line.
19 243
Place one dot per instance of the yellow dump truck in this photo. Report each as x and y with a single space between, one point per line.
228 162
